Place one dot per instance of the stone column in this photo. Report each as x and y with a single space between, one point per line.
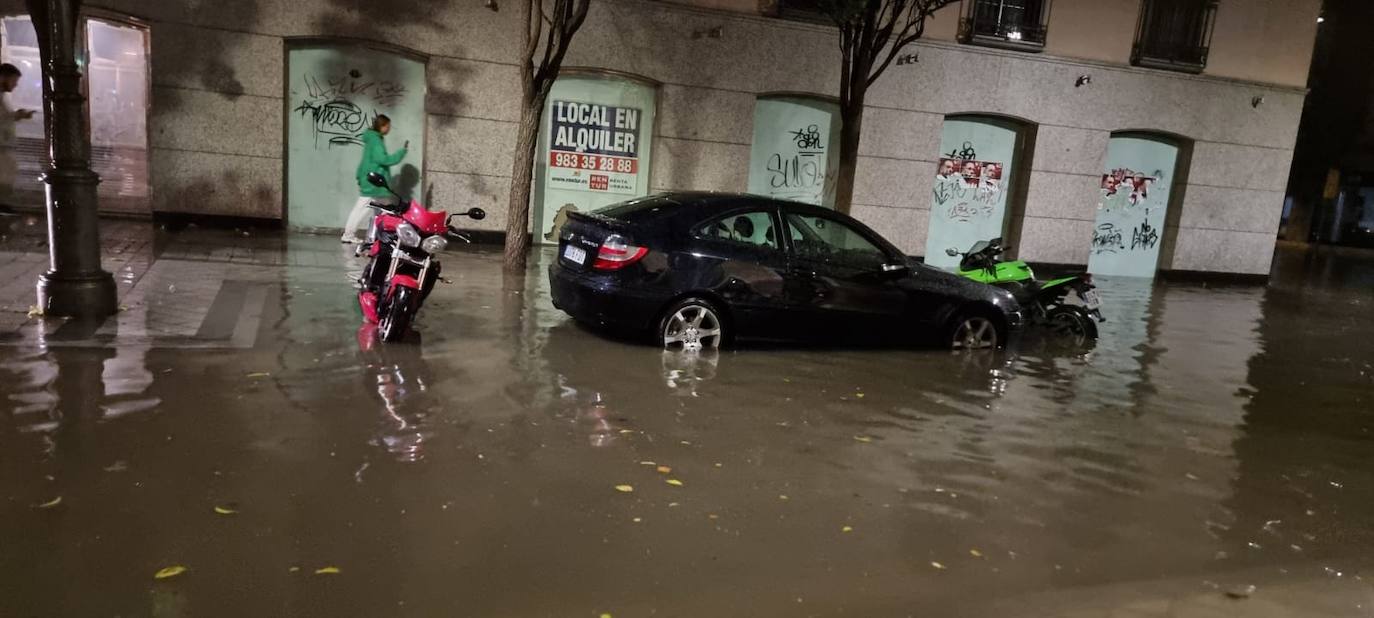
75 285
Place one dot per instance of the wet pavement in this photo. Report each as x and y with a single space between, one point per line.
234 421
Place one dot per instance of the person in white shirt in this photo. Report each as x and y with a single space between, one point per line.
9 167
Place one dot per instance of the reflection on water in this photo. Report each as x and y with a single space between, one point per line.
48 386
1210 430
399 372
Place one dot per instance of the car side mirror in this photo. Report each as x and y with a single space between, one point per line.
952 252
377 180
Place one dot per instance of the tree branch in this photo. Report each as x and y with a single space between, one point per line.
911 32
532 29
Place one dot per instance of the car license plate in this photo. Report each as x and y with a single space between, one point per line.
1090 299
575 254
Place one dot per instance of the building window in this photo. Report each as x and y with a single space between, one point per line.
799 10
1174 34
114 59
1017 24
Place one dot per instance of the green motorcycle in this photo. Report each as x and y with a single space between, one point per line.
1044 301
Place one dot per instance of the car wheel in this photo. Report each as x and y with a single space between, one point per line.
974 331
1071 324
691 325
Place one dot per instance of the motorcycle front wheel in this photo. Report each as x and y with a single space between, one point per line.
398 314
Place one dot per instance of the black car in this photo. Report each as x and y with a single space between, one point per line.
698 270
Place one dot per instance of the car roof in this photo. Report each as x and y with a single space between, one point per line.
689 207
704 202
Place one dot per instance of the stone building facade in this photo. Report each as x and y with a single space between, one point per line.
222 97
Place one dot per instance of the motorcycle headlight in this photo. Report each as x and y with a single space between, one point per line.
407 235
434 244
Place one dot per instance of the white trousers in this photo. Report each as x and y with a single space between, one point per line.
362 212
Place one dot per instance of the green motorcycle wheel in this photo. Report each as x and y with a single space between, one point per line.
1071 324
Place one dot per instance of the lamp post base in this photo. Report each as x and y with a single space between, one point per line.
90 295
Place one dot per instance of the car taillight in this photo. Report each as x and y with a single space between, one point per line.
616 254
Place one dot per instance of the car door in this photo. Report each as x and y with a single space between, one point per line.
842 279
746 265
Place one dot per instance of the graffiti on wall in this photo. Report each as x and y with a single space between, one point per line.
800 173
966 188
342 107
1126 198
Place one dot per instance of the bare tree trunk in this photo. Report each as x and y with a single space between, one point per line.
851 131
522 174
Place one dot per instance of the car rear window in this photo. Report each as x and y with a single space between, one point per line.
639 209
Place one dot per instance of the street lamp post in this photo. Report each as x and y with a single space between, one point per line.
75 285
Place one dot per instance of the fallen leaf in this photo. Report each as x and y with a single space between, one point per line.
938 565
258 374
171 571
686 443
227 509
713 516
674 482
864 439
847 529
637 520
672 504
647 463
782 497
624 488
718 465
35 311
51 503
1241 592
605 615
664 469
625 431
329 570
294 569
975 553
859 395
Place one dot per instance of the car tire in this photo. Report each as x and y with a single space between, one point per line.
690 325
974 330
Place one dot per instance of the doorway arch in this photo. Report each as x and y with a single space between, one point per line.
1138 208
334 89
793 154
980 175
596 145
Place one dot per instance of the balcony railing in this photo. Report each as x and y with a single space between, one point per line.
1174 34
1017 24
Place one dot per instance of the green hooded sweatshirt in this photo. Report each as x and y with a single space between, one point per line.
376 159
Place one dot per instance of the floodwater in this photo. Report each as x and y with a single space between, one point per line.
1216 437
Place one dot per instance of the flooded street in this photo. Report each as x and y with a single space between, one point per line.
509 463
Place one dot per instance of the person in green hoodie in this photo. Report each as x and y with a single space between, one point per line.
375 159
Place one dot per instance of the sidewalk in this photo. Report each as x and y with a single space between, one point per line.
191 288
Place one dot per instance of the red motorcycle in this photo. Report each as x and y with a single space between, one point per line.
402 244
